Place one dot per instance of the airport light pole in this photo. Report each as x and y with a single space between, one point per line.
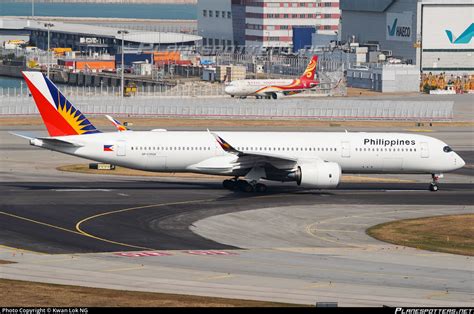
48 25
122 32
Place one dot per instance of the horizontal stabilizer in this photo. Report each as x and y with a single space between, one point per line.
45 140
58 142
26 135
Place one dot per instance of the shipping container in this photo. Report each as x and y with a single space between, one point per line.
61 51
95 64
166 56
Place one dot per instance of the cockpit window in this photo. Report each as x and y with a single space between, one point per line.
447 149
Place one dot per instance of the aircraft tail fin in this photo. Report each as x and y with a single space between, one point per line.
118 125
310 71
59 115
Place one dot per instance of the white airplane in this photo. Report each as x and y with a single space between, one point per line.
275 88
310 159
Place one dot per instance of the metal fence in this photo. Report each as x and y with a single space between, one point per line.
196 89
332 84
286 66
228 108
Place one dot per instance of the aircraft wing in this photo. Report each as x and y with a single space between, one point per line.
255 159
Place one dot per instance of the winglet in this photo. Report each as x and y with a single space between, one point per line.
226 146
120 127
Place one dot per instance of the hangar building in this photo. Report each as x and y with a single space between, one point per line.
436 35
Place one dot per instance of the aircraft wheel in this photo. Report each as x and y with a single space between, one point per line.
229 184
261 188
434 182
244 186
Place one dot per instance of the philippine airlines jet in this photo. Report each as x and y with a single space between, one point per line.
275 88
313 160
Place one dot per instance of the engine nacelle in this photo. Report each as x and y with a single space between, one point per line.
276 95
318 174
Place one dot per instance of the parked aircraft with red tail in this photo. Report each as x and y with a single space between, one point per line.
275 88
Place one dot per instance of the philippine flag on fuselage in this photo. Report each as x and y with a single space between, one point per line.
108 148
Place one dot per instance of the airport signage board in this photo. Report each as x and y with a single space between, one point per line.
399 26
448 27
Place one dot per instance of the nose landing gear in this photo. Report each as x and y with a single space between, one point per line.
434 183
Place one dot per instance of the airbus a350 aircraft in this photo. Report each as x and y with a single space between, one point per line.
275 88
310 159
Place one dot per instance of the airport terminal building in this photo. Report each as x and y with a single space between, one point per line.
436 35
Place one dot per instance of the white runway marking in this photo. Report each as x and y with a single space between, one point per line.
81 190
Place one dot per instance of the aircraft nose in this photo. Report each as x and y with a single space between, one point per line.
459 161
229 89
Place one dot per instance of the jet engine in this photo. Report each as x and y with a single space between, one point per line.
276 95
319 174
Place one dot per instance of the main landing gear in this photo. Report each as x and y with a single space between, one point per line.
244 186
434 183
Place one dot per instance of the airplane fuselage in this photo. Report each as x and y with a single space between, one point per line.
163 151
264 88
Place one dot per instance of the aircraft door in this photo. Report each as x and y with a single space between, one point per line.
425 152
346 149
121 148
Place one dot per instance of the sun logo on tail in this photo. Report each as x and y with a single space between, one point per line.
74 117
